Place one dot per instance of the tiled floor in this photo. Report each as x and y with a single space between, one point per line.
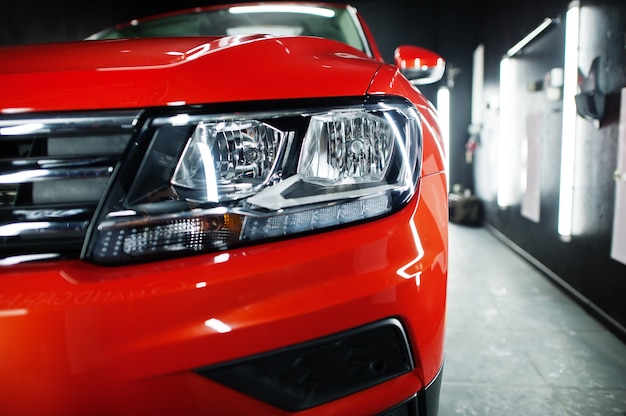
516 345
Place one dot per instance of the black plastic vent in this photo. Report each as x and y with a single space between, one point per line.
53 172
407 408
317 372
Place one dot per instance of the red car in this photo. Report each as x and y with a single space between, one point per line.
233 210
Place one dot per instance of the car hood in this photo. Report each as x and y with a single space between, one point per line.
134 73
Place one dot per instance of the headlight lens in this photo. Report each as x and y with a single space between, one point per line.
196 182
346 148
225 161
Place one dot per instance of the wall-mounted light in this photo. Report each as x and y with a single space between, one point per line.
505 139
568 134
510 124
478 77
443 108
546 24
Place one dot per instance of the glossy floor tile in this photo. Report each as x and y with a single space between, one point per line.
516 345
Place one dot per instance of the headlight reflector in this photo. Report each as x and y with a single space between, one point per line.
225 161
346 148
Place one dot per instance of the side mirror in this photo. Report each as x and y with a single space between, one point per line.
420 66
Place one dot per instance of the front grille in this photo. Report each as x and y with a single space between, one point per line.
316 372
53 172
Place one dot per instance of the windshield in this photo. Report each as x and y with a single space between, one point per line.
326 22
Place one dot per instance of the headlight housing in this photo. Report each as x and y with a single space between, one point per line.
197 181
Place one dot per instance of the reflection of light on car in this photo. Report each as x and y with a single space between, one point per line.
217 325
179 119
413 270
269 8
21 129
20 177
267 29
13 312
20 228
221 258
13 260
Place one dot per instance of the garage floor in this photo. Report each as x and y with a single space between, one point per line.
516 345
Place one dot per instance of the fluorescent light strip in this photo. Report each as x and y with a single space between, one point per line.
478 76
507 123
568 138
530 37
443 108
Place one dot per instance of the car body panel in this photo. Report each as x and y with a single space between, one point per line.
119 330
154 72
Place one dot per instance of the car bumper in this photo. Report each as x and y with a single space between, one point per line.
83 339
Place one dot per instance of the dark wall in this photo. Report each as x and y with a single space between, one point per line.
583 265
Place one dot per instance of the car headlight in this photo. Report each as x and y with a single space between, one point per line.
197 182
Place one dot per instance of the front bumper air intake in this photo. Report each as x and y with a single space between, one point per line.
316 372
